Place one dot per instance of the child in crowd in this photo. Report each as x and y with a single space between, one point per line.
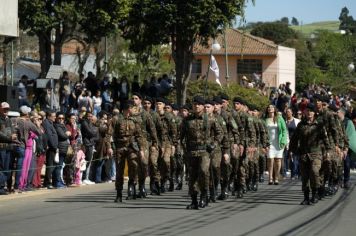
80 165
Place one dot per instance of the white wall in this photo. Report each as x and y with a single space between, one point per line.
286 66
9 18
70 63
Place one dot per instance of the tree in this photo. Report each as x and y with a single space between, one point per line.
347 22
275 31
68 19
285 20
294 21
180 23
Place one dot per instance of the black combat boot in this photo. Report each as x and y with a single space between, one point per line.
130 192
142 192
261 178
134 192
224 194
194 205
212 197
179 183
163 186
171 185
321 192
203 203
306 200
315 197
254 187
157 187
240 193
118 196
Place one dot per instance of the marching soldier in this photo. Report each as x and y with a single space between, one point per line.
202 137
149 134
167 139
129 146
307 141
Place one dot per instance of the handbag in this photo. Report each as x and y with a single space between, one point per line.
56 157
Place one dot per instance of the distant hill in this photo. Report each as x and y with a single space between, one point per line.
307 29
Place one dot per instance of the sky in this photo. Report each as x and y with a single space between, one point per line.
306 11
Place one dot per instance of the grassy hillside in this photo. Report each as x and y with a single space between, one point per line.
307 29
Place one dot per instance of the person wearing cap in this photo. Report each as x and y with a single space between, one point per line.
278 136
167 136
177 166
306 142
201 137
149 136
24 127
325 117
7 136
350 135
231 138
129 146
247 136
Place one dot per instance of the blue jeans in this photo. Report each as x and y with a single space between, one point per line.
58 169
20 151
5 160
295 172
98 170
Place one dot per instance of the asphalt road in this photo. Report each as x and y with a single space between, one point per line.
90 210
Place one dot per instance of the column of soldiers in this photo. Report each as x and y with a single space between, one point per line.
214 144
322 144
217 145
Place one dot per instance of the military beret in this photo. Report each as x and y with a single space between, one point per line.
333 108
208 101
127 104
239 100
217 100
198 99
149 99
137 94
310 106
160 99
224 97
175 107
185 107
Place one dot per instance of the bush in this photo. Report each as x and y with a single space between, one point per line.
197 87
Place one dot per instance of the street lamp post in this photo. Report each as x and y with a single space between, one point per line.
226 60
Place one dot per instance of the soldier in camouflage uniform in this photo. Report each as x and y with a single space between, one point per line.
178 161
128 141
183 113
202 137
248 137
153 149
327 119
307 141
149 134
167 139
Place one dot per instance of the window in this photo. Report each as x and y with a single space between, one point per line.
196 67
248 67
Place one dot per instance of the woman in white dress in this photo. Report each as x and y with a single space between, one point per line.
277 132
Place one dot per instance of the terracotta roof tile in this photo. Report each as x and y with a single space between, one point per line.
240 43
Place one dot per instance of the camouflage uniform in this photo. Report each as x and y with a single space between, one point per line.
252 161
144 119
177 162
326 118
128 142
263 144
167 137
307 142
200 132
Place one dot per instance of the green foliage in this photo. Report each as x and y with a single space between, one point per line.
276 31
294 21
347 22
285 20
197 87
308 29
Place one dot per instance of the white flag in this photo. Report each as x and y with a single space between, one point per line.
215 68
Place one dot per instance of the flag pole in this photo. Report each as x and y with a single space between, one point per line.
207 75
